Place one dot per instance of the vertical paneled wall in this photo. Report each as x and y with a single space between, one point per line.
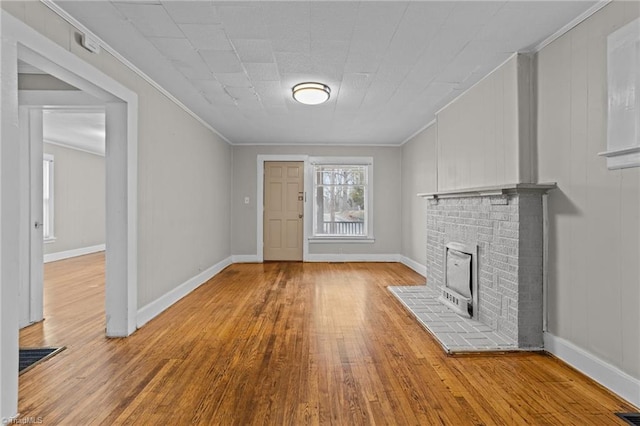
594 215
419 175
485 136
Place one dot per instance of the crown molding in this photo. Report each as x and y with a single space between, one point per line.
104 45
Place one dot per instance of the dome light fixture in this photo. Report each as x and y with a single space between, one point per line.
311 93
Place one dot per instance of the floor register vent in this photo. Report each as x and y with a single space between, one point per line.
631 418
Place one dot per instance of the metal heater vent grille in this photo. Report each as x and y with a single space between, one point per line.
631 418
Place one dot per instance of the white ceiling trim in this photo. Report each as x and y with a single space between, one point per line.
420 130
362 145
574 23
74 22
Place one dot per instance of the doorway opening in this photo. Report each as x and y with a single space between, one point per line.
21 43
70 291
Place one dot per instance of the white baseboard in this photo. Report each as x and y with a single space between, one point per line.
418 267
353 258
609 376
52 257
331 257
155 308
245 258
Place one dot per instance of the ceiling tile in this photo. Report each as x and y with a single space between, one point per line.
243 20
220 100
221 61
471 13
293 62
291 44
253 50
365 59
427 13
249 103
332 21
286 18
328 58
208 86
270 92
332 51
378 94
192 12
93 9
150 19
233 79
439 89
287 25
174 48
390 65
238 93
377 22
262 72
206 36
466 62
193 70
357 81
350 99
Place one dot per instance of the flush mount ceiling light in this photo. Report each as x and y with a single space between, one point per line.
311 93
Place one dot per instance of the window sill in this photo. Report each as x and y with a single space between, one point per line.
622 158
342 240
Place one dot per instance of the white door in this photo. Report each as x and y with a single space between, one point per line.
37 242
31 273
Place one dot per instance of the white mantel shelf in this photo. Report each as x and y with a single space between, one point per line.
488 191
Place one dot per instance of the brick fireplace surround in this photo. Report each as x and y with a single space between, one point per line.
506 224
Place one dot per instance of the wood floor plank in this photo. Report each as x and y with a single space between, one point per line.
284 343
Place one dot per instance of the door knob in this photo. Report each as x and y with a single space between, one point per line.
299 216
37 225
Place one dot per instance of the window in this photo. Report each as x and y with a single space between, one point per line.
342 198
47 200
623 127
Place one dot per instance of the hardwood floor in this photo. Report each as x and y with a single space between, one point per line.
284 343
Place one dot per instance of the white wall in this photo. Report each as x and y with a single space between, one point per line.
419 175
184 172
79 197
594 235
480 134
387 200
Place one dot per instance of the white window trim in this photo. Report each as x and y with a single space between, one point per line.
52 235
340 239
623 113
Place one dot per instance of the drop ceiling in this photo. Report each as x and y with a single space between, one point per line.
390 65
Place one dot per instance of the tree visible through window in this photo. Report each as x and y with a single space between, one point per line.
340 200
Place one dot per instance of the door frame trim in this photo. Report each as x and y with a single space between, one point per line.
260 202
41 101
20 41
